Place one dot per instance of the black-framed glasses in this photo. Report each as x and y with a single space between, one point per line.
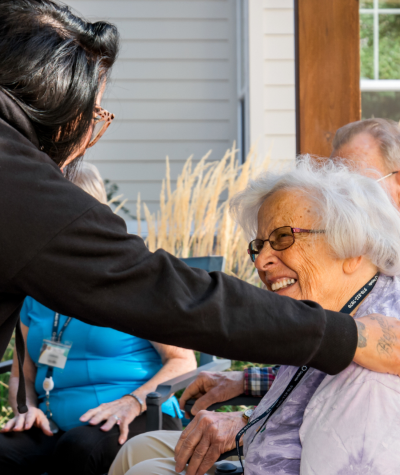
280 239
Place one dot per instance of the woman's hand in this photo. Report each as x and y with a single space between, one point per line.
209 435
209 388
34 417
121 412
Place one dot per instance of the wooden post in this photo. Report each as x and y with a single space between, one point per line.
327 71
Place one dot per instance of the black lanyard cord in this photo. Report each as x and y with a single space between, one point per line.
357 298
56 337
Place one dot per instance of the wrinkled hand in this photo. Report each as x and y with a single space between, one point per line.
209 435
209 388
34 417
126 408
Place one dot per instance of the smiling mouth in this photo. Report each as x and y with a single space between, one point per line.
282 284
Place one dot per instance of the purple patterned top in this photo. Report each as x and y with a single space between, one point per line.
335 414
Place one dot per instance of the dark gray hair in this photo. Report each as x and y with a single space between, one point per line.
355 211
385 131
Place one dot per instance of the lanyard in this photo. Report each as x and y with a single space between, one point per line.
357 298
57 337
56 322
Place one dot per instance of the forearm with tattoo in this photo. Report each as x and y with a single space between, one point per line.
388 339
362 339
378 347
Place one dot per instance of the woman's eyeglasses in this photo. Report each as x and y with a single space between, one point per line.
102 120
280 239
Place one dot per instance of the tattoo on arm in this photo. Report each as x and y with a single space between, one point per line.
388 338
362 340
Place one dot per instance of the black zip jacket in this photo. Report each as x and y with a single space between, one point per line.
72 254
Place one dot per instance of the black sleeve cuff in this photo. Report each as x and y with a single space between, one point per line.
340 332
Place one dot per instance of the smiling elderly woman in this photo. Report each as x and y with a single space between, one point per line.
331 236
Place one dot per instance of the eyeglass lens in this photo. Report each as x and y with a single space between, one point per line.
97 129
280 239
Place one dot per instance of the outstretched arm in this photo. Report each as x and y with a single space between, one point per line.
378 346
94 271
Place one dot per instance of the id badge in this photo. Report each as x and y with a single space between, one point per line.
54 354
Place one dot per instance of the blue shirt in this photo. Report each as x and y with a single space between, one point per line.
103 365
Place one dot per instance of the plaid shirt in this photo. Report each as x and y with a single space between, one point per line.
258 381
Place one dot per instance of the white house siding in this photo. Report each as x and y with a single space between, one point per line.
173 89
272 78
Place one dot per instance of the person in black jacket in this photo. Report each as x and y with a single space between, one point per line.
73 255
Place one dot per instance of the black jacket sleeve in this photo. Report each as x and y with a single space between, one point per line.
94 271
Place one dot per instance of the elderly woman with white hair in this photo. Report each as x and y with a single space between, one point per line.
321 233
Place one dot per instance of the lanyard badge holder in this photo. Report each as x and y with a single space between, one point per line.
53 354
300 373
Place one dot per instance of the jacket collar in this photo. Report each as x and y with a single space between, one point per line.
12 113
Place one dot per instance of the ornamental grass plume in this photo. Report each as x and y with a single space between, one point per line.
194 220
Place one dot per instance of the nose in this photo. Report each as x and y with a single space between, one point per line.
265 258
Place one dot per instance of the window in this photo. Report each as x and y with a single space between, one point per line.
380 58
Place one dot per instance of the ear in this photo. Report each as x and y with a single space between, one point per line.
351 264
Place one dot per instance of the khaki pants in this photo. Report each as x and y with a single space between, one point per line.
151 453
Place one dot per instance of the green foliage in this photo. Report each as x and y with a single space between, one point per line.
389 46
367 46
5 409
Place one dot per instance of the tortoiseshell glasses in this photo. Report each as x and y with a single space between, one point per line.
102 120
280 239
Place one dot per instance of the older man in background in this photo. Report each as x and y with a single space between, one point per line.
372 144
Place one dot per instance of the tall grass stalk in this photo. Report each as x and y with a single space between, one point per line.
194 219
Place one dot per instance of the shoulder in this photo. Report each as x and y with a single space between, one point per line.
40 202
384 299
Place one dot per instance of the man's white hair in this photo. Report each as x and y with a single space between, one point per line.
386 132
88 177
357 214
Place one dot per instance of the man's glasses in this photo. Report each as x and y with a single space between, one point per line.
280 239
387 176
102 120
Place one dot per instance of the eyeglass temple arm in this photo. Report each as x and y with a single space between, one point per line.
300 230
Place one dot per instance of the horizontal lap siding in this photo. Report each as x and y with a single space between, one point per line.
279 77
173 89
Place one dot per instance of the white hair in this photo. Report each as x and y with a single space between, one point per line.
357 214
89 179
386 132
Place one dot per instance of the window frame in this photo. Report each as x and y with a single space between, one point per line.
377 84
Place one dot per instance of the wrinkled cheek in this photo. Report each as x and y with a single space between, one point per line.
308 277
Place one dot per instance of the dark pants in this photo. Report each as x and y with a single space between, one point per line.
85 450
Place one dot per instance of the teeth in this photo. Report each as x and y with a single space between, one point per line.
282 284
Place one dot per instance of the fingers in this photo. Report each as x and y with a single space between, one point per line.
89 414
206 401
111 421
44 424
30 418
187 444
19 425
191 392
10 425
198 457
124 430
208 461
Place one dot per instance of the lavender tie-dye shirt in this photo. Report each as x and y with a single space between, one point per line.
337 412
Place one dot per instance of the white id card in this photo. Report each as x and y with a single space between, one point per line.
54 354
